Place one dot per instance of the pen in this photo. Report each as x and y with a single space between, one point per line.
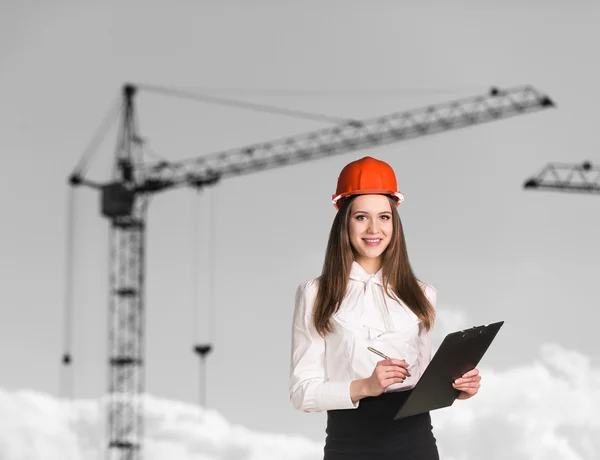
377 352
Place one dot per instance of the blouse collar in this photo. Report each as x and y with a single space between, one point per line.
358 273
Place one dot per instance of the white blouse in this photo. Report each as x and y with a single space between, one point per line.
321 370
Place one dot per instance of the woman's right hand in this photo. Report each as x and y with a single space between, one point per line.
386 373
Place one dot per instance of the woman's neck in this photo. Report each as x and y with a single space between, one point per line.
371 266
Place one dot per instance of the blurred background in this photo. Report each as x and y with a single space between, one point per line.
222 262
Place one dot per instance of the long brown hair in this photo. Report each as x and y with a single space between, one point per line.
398 277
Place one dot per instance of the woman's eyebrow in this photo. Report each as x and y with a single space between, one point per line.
365 212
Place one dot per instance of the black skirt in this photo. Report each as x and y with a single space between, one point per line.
370 432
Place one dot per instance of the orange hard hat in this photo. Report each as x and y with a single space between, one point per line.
367 176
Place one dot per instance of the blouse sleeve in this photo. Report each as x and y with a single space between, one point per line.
425 336
309 391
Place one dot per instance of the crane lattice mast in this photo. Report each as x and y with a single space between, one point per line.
124 203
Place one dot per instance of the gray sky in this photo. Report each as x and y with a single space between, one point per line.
493 251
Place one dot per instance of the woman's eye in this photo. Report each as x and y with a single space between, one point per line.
362 217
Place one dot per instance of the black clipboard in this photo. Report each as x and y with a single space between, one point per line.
458 353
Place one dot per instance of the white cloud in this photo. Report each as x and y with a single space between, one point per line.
448 319
548 409
38 426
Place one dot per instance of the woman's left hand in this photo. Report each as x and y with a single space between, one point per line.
468 384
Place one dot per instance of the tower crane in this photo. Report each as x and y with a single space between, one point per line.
570 178
124 202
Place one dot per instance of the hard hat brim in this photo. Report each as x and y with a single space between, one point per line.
398 196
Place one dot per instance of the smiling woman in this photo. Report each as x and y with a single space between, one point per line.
367 298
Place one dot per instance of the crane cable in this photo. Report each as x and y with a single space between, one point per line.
337 92
212 251
66 376
211 281
185 94
112 114
195 266
203 338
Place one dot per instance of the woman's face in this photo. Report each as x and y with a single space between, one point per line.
370 226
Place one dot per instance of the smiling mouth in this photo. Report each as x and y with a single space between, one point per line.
372 241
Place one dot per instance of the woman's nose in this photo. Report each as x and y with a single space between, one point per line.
373 226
